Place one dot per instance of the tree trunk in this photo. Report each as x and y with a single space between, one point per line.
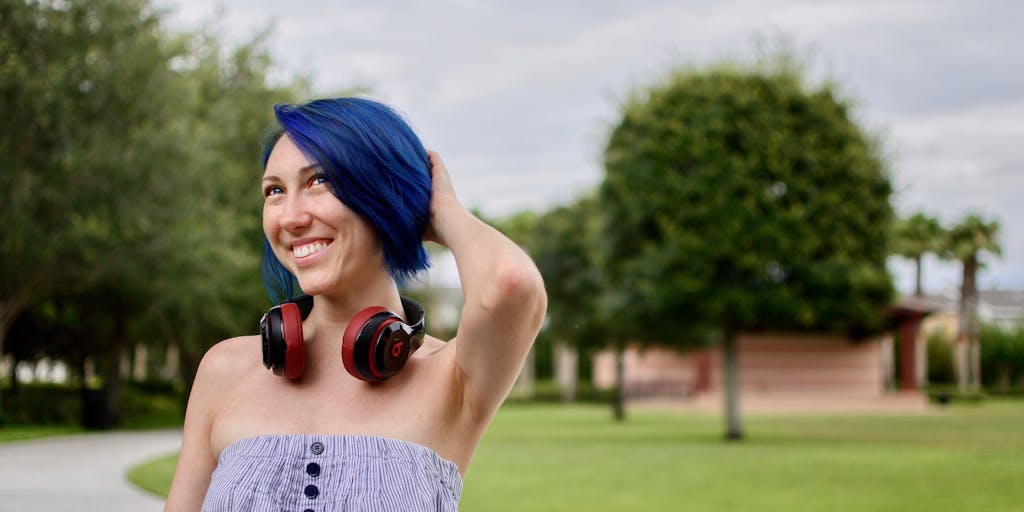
85 396
7 314
13 389
188 366
113 377
566 370
731 385
619 400
969 330
918 291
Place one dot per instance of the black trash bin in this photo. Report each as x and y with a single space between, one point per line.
94 409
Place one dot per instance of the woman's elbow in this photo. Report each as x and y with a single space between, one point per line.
517 285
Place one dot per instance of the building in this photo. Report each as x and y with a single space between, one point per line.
789 370
813 370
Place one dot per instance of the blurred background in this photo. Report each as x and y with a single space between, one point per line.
794 224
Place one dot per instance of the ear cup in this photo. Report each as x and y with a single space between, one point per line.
357 342
295 348
283 348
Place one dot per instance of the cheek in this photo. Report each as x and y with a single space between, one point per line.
367 235
271 230
268 226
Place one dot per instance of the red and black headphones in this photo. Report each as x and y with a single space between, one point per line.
375 346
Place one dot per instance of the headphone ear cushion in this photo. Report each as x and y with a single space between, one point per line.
295 349
357 342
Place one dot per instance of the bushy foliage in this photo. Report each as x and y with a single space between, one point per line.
130 163
1002 358
744 199
940 358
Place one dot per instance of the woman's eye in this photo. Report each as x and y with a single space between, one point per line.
272 190
319 179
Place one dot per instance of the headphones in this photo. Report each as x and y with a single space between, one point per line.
375 346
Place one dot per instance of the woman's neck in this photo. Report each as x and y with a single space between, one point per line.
332 312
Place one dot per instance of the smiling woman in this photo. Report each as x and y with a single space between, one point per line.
350 195
371 161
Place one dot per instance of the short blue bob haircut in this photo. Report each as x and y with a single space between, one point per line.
375 165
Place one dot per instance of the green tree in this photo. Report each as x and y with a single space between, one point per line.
129 179
84 87
207 286
968 241
738 200
916 236
566 247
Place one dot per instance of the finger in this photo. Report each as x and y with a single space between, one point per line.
435 159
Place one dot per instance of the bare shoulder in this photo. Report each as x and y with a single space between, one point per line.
221 368
230 360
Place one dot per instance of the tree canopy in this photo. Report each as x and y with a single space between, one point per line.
740 200
746 200
130 164
565 245
915 236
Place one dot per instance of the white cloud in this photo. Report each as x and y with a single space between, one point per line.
518 96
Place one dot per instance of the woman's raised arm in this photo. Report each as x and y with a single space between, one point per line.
505 301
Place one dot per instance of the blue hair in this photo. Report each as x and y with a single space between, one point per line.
375 165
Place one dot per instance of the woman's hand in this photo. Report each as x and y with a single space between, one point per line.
442 198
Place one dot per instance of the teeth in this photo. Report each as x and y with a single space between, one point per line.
306 250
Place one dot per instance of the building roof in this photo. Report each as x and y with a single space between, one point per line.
993 305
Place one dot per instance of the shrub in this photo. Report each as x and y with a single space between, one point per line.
940 358
144 405
1002 357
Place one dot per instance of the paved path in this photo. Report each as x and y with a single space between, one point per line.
80 473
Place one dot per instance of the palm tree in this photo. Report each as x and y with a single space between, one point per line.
965 242
916 236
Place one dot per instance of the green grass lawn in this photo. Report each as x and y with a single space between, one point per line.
21 433
549 457
155 475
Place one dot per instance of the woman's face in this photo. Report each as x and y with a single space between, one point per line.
314 235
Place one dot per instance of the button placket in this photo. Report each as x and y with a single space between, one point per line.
313 470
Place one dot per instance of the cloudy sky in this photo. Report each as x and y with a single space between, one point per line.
518 96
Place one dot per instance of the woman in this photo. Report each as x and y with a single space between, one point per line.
350 194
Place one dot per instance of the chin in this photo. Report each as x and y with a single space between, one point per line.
315 289
316 285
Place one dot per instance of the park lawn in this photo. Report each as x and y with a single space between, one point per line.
21 433
155 475
574 458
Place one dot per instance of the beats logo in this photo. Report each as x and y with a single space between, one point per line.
396 349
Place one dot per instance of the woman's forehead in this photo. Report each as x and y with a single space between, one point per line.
286 157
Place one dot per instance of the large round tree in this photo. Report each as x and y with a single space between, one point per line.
740 200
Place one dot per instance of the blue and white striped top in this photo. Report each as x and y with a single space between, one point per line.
311 472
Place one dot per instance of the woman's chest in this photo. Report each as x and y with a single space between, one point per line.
419 406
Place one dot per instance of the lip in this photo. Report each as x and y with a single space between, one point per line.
311 258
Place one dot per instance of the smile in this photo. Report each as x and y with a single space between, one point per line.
305 250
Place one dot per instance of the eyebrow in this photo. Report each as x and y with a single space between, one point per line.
302 170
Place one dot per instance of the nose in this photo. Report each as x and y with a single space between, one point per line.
295 216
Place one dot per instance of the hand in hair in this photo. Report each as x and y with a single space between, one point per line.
442 197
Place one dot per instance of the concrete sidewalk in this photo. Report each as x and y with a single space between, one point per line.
81 472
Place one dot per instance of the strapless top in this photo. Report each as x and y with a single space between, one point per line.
314 472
